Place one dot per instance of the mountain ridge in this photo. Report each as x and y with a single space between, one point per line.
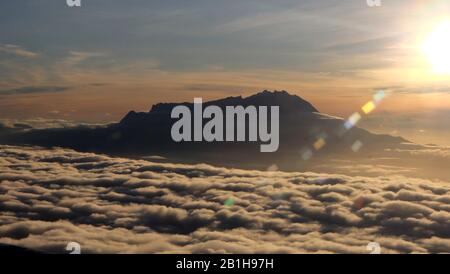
287 103
149 133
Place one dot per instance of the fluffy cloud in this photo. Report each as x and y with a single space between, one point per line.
50 197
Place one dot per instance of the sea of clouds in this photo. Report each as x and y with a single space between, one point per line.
50 197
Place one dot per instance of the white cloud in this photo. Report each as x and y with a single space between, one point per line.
49 197
18 51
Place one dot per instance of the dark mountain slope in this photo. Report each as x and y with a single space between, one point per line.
141 134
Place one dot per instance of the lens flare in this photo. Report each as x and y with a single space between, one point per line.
369 107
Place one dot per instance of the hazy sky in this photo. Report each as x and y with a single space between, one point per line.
96 62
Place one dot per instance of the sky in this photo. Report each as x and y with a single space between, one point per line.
96 62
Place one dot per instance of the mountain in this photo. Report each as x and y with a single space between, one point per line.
288 104
303 129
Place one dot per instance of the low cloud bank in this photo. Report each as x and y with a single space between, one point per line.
50 197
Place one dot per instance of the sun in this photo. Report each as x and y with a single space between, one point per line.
437 48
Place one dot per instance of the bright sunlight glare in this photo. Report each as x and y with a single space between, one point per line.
437 48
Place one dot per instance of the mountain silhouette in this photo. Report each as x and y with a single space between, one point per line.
148 133
288 104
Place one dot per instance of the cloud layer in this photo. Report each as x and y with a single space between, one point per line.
50 197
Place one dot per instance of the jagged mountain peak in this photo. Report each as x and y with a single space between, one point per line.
284 99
